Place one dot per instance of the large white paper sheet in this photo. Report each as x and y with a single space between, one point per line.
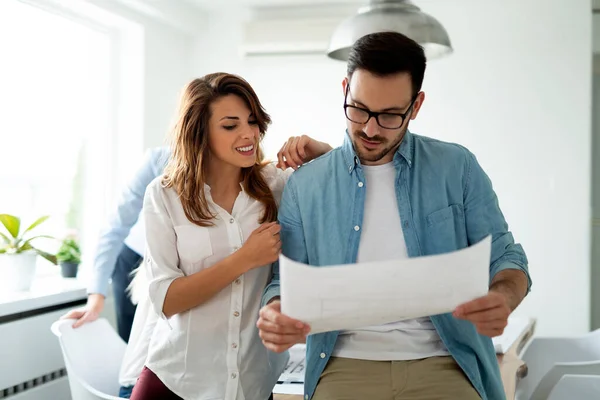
374 293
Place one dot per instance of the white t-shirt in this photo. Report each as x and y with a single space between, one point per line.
382 239
212 351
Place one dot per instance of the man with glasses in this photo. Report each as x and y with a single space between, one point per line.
386 194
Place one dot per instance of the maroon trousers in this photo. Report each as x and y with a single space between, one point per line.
150 387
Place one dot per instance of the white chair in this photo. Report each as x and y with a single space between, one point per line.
92 355
549 359
576 387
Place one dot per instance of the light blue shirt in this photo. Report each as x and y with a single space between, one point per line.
446 202
124 218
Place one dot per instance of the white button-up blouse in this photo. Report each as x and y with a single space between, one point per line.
212 351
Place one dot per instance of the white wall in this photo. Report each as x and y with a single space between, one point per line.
167 69
155 63
516 92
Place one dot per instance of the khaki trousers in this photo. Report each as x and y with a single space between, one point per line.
435 378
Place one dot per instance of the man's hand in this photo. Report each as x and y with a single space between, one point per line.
88 313
489 313
280 332
299 150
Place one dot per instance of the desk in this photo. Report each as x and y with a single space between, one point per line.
512 368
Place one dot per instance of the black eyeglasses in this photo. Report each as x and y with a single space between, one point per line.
386 120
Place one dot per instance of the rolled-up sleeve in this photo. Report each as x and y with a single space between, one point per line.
484 217
162 258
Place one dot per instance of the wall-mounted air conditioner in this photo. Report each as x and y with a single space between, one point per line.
288 36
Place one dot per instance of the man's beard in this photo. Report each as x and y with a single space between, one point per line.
367 155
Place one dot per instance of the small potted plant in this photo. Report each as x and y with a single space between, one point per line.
18 255
69 257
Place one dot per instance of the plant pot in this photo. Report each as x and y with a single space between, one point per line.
68 270
17 271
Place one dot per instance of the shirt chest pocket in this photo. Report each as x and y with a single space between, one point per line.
193 246
446 230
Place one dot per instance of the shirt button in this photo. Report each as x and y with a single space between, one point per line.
322 355
357 228
234 345
231 221
306 396
234 375
360 184
236 314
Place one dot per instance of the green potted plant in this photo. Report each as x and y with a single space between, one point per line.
18 255
69 257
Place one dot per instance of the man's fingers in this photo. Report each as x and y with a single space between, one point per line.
477 305
272 328
278 339
495 314
492 326
271 313
490 332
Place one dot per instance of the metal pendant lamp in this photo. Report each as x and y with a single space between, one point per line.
391 15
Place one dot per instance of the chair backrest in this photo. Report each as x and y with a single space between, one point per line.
543 354
552 377
572 387
93 354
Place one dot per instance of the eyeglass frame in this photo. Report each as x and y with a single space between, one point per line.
372 114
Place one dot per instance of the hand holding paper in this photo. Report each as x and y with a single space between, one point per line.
360 295
277 331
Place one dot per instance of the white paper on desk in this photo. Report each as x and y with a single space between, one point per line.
374 293
291 380
295 369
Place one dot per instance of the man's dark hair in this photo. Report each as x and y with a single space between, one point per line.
387 53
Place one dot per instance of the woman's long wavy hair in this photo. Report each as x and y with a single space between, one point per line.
186 169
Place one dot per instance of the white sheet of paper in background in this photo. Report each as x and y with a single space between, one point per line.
373 293
515 328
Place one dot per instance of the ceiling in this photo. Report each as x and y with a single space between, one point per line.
212 4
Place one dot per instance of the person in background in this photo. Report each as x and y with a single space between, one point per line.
212 235
391 194
120 248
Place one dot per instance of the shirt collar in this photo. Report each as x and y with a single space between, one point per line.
405 151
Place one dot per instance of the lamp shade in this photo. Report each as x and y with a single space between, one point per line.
400 16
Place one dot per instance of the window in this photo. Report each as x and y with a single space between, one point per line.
55 126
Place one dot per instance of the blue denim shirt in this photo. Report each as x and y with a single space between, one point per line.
446 202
